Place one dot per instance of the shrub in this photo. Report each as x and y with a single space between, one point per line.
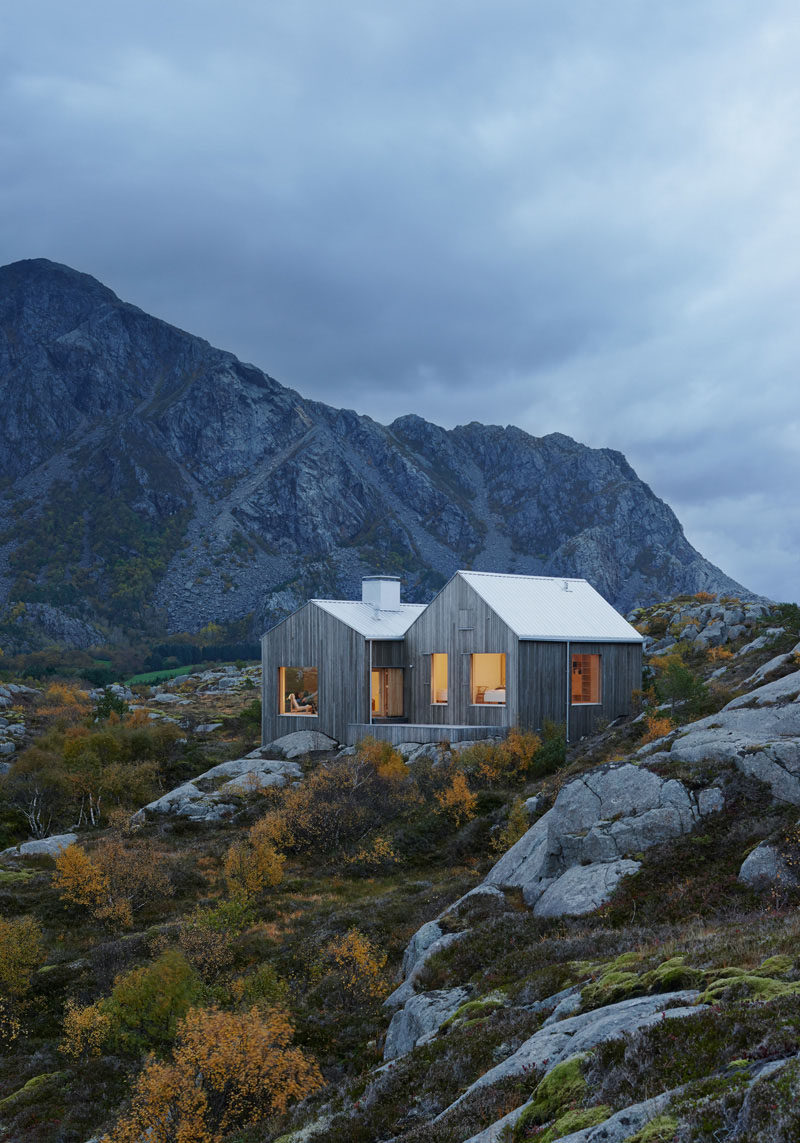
457 800
229 1071
253 865
141 1013
341 803
20 955
350 972
113 882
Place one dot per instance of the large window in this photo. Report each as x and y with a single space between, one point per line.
585 679
438 679
298 691
387 692
488 679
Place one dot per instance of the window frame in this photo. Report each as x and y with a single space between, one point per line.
283 694
596 660
434 656
503 675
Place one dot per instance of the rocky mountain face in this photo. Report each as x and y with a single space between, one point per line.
149 479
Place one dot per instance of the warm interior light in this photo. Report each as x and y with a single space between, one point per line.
585 679
488 679
298 691
438 678
387 692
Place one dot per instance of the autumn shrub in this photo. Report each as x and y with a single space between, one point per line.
253 865
114 881
457 801
379 856
340 803
350 973
21 953
229 1071
141 1014
516 827
656 726
206 938
522 755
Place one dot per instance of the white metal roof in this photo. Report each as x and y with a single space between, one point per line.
551 608
371 622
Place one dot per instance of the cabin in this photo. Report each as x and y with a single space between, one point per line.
337 663
491 651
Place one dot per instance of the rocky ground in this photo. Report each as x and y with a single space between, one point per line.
627 970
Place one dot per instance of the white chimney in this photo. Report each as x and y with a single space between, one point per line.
381 591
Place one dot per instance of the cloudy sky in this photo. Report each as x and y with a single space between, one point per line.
580 217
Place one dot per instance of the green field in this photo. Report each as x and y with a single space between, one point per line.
161 676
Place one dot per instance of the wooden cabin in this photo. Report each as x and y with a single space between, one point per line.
514 650
337 662
491 651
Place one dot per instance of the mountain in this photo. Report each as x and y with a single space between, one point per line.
149 480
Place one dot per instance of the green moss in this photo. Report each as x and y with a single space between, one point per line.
33 1091
473 1009
559 1091
672 974
8 876
659 1130
611 987
574 1121
740 984
776 965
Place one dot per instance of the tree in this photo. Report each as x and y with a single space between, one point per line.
229 1071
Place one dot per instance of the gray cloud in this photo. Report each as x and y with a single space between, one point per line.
569 217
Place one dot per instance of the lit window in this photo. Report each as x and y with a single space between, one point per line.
438 679
585 679
489 679
298 691
387 692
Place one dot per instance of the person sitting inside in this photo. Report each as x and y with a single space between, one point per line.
299 708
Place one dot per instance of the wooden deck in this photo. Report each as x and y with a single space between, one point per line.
396 732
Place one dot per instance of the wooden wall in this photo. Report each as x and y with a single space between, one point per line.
439 629
543 683
312 637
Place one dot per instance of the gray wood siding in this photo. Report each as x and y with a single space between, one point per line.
439 629
312 637
543 683
388 653
621 666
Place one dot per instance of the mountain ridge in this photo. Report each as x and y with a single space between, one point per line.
151 480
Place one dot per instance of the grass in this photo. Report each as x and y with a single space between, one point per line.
162 676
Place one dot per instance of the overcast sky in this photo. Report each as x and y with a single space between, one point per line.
579 217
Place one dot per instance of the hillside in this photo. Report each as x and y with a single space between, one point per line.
151 481
496 943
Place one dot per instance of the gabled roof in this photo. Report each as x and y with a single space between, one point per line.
369 621
551 608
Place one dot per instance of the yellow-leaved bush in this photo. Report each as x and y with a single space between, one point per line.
114 881
229 1071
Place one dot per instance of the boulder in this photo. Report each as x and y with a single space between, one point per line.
406 990
759 733
301 742
555 1043
603 817
583 888
52 846
774 664
206 798
207 727
420 1019
765 868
